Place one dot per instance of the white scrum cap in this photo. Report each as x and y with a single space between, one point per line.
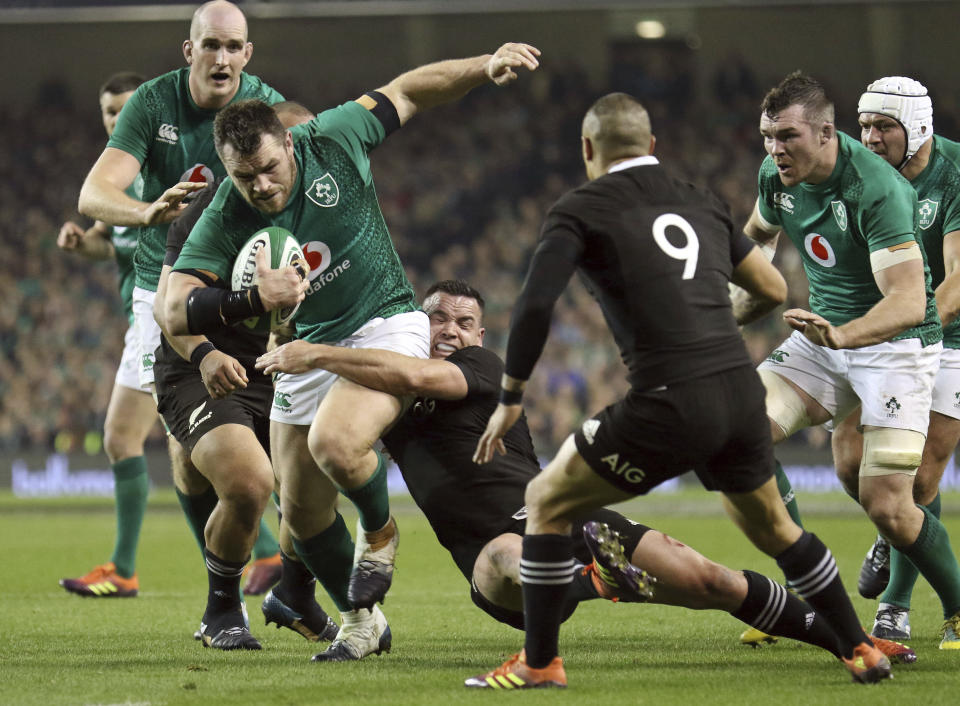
906 101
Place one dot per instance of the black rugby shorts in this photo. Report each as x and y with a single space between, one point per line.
190 412
715 426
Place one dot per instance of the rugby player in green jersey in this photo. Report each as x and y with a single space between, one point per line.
315 181
896 122
131 412
873 337
165 137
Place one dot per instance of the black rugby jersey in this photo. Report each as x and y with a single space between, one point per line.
657 254
433 444
242 343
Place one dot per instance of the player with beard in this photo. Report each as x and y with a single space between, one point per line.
477 511
873 339
316 182
227 435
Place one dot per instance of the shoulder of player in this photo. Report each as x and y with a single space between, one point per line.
877 179
476 355
948 151
327 123
252 86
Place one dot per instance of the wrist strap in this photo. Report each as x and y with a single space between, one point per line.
200 352
510 397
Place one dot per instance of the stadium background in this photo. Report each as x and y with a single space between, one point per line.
463 187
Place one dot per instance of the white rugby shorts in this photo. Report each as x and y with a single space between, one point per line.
893 381
128 374
946 388
148 332
297 397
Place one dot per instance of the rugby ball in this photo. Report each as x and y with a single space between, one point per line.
283 249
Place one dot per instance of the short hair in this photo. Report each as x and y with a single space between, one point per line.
619 125
121 83
456 288
243 124
803 90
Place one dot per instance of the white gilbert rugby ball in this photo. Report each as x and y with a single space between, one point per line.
282 249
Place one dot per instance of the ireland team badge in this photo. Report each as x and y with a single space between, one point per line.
927 211
324 191
840 213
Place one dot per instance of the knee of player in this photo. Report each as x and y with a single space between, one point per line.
786 409
119 444
248 491
499 559
334 453
539 501
890 456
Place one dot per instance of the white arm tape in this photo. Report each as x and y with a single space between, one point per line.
884 258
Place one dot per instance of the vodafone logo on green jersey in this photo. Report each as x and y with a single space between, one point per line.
320 260
200 173
820 250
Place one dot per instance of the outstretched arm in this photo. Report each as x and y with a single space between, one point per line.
445 81
102 195
390 372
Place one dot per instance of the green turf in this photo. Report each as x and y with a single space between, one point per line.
57 648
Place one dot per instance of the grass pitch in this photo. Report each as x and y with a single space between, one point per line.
57 648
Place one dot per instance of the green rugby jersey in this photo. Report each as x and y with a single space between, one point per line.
862 207
355 272
172 138
938 209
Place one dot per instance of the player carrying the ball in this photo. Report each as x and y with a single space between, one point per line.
315 181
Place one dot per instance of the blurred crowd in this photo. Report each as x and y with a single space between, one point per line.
463 188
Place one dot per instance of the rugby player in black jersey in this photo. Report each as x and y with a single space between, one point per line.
477 511
658 255
218 407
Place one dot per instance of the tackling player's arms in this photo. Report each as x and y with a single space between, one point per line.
386 371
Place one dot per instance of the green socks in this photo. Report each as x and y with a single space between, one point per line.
903 574
266 544
197 509
932 554
131 486
371 499
786 492
329 556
